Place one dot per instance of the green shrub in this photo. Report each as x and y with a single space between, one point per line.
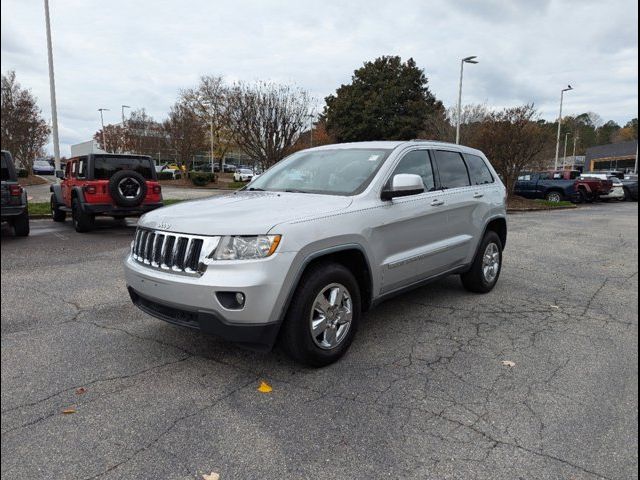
23 173
200 179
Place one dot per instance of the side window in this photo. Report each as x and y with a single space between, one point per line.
524 178
452 169
478 170
544 176
82 167
418 163
74 168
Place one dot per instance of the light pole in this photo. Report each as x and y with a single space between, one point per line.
52 90
471 59
311 129
569 87
123 107
575 142
104 137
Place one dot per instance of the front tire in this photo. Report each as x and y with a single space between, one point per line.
554 197
487 265
82 222
57 214
323 317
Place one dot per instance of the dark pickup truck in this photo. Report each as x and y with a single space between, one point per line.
556 186
14 198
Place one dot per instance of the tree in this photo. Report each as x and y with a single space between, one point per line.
386 99
605 133
24 132
513 140
627 133
210 102
140 134
185 133
266 119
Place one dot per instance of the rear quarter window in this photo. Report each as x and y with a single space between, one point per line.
6 167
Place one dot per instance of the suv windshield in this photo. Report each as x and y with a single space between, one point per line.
331 172
105 166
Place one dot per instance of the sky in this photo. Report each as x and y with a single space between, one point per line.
141 53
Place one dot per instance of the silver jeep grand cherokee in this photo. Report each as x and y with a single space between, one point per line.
319 238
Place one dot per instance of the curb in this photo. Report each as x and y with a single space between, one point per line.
550 209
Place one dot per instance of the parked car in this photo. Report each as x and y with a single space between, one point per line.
545 186
243 175
14 198
591 188
617 188
105 184
42 167
299 259
175 173
630 186
228 168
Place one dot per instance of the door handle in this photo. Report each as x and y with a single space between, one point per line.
478 195
437 203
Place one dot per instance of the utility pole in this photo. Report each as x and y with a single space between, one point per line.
564 157
104 137
211 142
569 87
123 120
575 142
52 90
471 59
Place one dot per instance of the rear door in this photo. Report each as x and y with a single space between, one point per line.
459 203
526 185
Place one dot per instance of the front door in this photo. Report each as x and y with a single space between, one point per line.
409 239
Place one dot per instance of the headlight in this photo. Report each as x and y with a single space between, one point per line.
245 248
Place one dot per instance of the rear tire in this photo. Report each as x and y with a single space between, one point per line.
21 224
487 265
326 300
57 214
82 222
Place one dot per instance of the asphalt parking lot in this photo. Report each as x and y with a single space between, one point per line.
423 392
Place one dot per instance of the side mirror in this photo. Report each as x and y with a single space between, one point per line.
60 174
402 185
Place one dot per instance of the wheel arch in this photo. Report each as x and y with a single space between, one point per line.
353 256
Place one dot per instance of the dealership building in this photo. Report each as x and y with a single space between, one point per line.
615 156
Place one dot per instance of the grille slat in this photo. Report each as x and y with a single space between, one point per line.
173 253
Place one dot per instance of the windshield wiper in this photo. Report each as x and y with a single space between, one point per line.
295 190
255 189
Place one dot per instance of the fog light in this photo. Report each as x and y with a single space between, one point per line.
231 300
240 298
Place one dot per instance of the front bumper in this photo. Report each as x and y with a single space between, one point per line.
616 193
191 301
109 209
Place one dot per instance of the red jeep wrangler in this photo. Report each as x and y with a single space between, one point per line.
105 184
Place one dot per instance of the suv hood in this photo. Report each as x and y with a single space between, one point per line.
241 213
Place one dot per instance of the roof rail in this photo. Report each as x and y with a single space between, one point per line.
428 140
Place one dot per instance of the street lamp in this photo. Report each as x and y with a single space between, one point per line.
104 138
569 87
471 59
52 90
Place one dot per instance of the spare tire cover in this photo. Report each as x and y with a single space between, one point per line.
127 188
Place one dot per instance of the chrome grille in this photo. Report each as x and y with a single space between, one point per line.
173 252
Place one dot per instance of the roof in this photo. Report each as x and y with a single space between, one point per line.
393 144
613 150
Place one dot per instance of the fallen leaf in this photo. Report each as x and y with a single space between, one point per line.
68 411
508 363
264 387
81 391
211 476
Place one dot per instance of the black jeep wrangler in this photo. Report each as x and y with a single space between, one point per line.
14 198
